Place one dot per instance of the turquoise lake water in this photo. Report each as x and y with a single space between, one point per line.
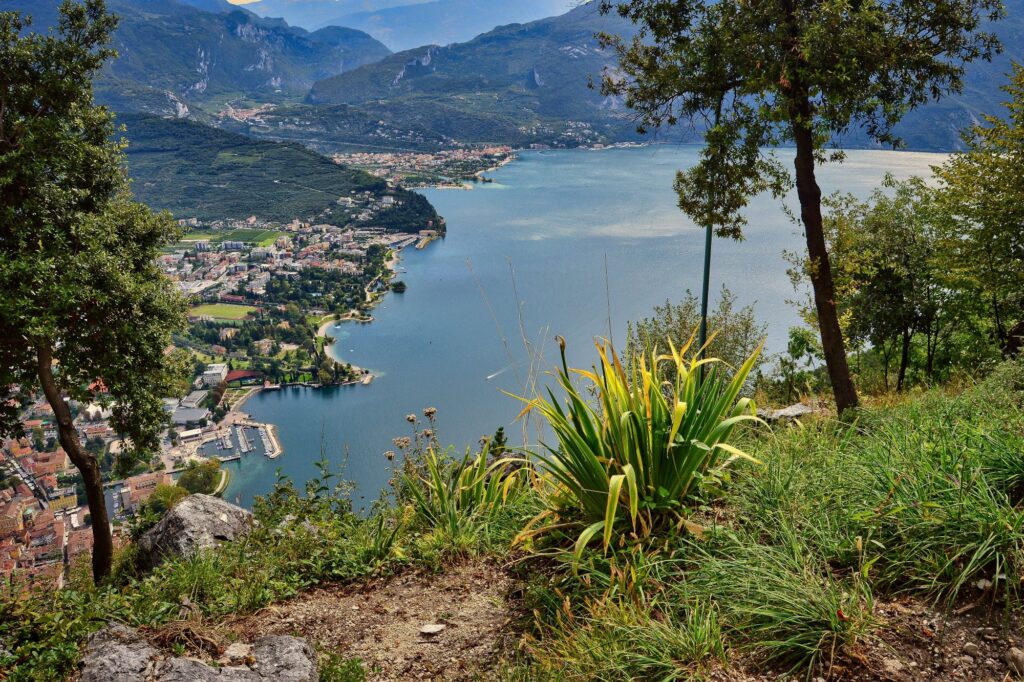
525 258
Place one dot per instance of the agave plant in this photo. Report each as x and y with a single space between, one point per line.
641 452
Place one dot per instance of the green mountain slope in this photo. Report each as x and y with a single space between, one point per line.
197 171
174 57
528 78
521 83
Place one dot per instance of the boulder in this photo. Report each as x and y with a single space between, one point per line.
119 654
284 658
196 523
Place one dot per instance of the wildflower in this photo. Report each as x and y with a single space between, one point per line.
428 433
402 442
411 418
430 412
390 454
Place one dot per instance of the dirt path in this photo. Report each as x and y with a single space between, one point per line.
380 622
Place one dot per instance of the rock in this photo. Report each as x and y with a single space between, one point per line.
790 413
1015 657
432 629
117 654
892 665
286 659
198 522
972 649
237 652
191 670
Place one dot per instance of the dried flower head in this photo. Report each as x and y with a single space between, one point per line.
402 442
411 418
390 454
430 412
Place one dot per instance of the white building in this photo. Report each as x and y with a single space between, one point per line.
215 374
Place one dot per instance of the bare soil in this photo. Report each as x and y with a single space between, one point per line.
380 622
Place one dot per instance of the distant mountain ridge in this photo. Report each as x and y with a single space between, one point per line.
530 78
518 80
313 14
442 22
173 55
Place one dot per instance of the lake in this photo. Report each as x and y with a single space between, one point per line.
525 259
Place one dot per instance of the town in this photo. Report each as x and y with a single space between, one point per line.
262 296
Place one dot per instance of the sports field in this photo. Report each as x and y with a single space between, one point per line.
223 311
243 234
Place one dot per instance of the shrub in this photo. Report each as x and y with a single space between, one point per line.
647 446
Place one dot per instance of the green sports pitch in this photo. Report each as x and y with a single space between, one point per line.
222 311
247 235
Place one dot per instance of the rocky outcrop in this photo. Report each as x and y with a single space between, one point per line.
198 522
119 654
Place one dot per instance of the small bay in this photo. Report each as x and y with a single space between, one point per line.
525 259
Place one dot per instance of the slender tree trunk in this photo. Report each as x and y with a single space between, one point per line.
904 361
86 463
820 269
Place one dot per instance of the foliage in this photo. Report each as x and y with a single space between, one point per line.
459 499
757 76
737 332
891 265
983 194
85 309
197 171
200 477
649 447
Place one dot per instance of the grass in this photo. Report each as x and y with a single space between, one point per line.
223 311
256 237
919 498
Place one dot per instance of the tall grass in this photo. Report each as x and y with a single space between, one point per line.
633 460
460 500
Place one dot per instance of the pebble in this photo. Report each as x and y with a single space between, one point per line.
432 629
1015 657
972 649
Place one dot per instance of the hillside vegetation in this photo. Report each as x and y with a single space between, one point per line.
196 171
791 564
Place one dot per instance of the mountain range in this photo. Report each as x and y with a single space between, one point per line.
335 88
442 22
174 56
519 83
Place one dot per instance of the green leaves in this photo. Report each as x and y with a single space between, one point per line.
631 463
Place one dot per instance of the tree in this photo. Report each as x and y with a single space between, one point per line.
890 272
736 331
759 74
84 303
200 477
983 192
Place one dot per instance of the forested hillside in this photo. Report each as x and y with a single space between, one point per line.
196 171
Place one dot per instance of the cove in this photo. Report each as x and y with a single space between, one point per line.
524 259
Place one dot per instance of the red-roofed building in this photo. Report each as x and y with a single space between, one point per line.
244 376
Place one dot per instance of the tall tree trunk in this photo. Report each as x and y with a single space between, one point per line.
820 269
86 463
1014 340
904 361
